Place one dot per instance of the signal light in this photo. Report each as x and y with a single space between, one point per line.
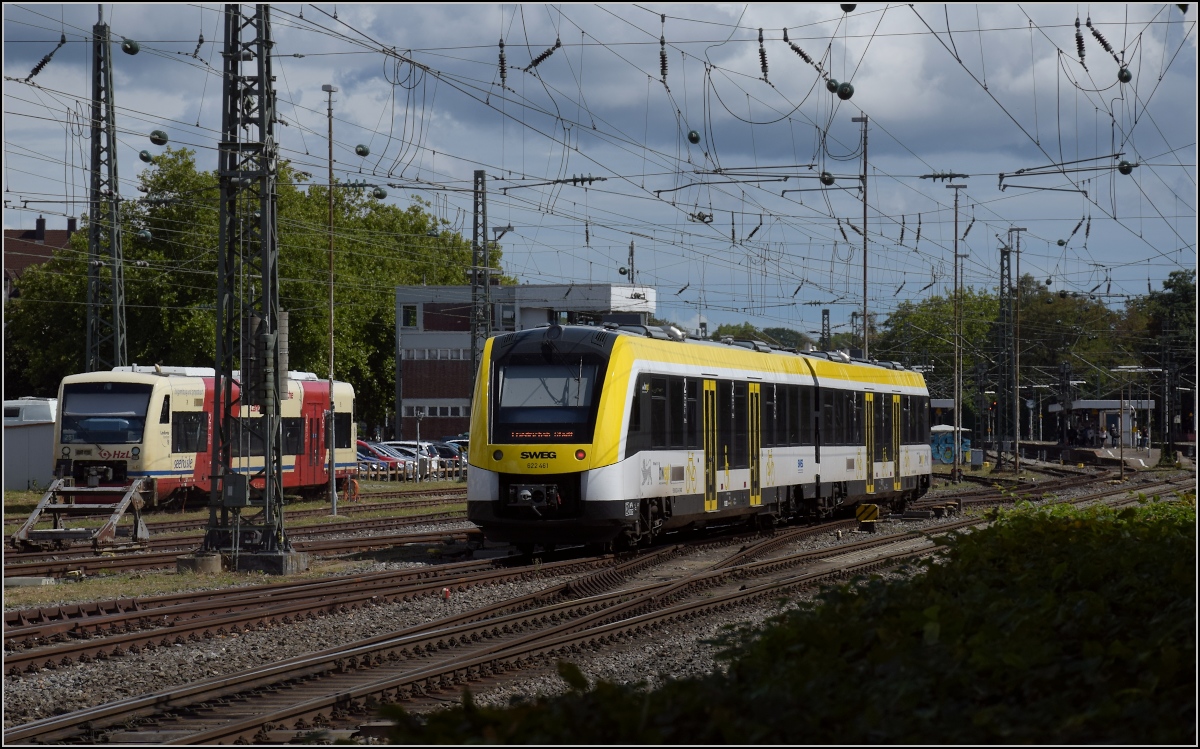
580 454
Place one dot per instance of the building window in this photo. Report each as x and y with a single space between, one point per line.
455 353
408 315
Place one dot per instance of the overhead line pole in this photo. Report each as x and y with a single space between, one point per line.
866 326
331 431
956 471
1016 376
105 297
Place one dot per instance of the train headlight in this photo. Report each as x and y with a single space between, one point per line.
66 452
497 455
580 454
136 452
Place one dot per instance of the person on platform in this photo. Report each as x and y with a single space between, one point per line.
1091 436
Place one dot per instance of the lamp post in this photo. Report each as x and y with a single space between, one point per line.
330 91
1039 388
419 412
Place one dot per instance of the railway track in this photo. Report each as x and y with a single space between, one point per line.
339 688
90 565
20 563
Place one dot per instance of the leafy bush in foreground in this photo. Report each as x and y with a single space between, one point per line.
1053 625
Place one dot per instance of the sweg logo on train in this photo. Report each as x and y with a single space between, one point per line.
542 455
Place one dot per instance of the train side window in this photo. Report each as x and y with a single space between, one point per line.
691 413
638 439
342 425
658 412
293 436
675 407
724 424
769 415
923 410
829 434
856 418
883 438
739 450
806 416
790 408
189 432
164 416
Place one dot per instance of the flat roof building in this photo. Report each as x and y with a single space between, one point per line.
434 376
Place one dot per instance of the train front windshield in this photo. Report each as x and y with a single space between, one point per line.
547 402
104 412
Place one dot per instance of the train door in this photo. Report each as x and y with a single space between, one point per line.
869 419
709 420
313 441
895 442
755 442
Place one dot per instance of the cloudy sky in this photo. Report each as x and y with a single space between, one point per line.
735 227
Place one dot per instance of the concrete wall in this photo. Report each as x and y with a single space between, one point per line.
28 455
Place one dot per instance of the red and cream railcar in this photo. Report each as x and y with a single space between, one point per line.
156 423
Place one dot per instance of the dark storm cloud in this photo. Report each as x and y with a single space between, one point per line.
597 105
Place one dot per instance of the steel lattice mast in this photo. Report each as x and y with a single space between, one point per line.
106 346
481 293
248 322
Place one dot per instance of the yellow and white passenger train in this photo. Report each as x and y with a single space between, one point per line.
617 435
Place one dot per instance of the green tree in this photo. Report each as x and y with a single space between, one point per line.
170 282
788 338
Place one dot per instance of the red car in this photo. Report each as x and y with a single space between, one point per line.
393 463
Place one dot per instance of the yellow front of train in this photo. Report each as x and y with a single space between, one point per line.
546 422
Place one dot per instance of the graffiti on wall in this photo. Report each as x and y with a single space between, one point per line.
943 447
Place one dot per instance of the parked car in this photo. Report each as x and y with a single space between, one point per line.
461 444
394 462
424 449
368 461
410 454
410 460
452 458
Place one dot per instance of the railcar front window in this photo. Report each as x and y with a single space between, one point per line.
546 402
104 413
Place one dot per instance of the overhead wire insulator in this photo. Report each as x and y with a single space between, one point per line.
762 55
1079 42
968 231
918 242
503 67
1103 42
46 60
843 231
1088 231
901 229
803 55
662 48
662 57
1076 229
542 57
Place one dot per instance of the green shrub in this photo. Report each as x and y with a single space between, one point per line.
1053 625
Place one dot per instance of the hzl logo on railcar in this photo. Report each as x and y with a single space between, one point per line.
539 455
